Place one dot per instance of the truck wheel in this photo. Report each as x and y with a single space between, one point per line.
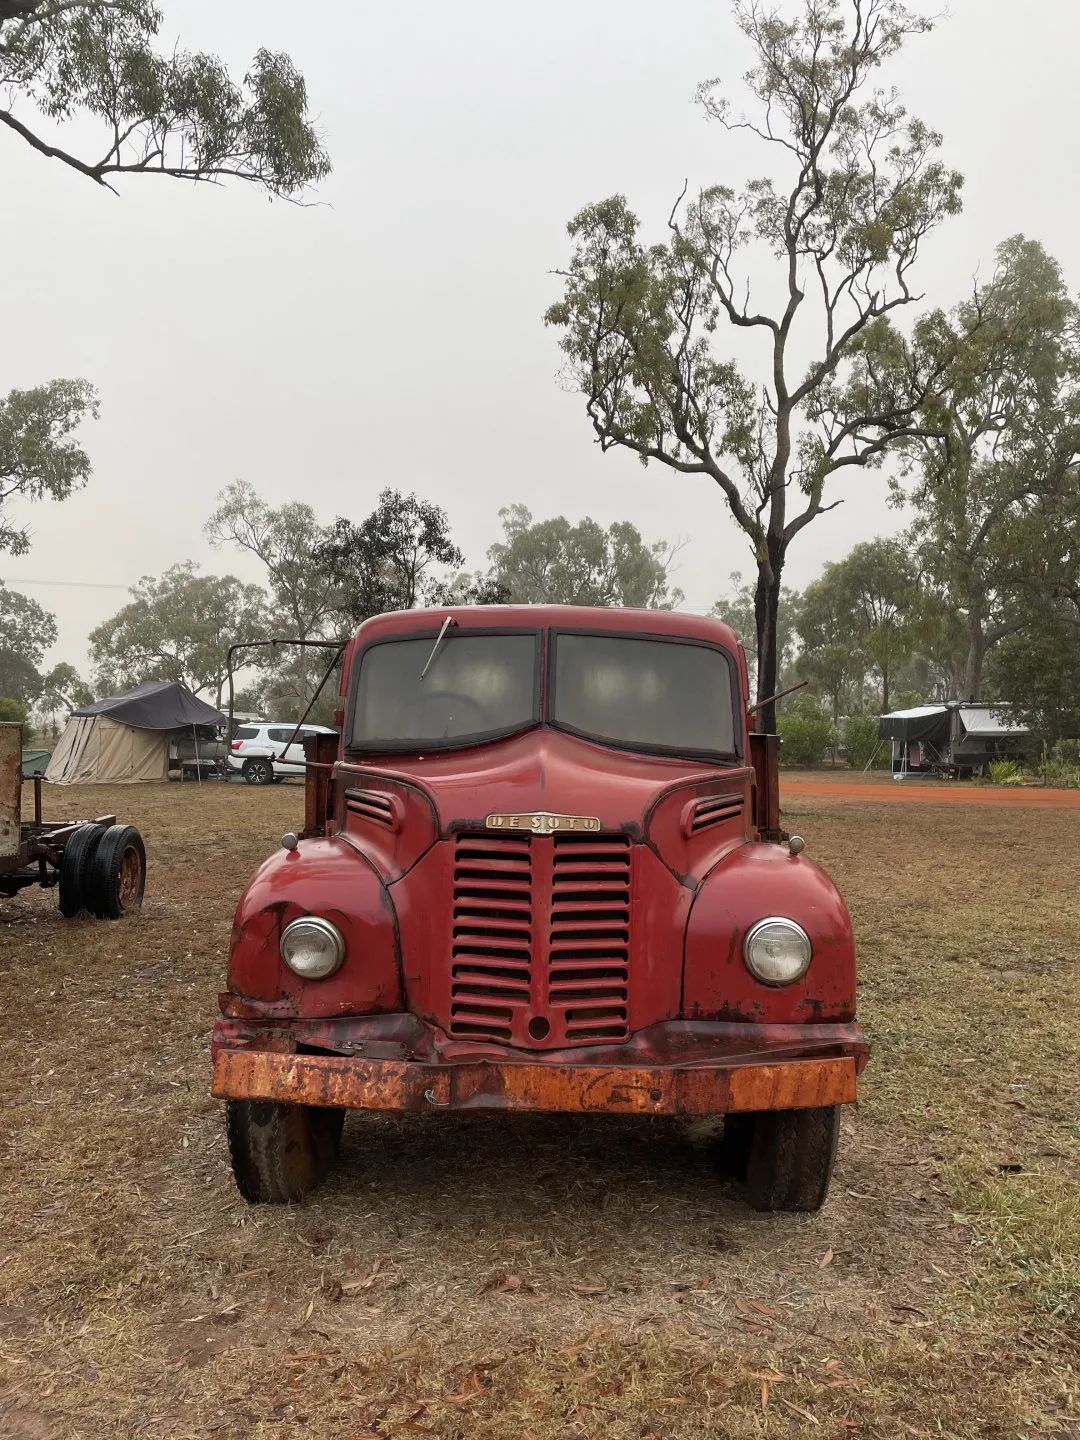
117 875
791 1158
75 868
279 1152
258 771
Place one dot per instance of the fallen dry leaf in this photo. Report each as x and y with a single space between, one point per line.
800 1411
590 1287
826 1259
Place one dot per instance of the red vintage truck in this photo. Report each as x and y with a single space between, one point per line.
541 869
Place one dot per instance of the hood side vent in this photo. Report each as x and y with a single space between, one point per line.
713 810
374 805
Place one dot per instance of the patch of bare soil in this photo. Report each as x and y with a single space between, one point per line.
540 1276
854 787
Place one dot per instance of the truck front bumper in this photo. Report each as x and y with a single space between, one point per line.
398 1062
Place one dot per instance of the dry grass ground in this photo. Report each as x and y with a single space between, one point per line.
542 1277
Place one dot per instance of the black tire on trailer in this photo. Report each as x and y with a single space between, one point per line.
791 1158
75 868
258 770
280 1152
117 876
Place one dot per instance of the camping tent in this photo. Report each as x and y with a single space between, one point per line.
126 737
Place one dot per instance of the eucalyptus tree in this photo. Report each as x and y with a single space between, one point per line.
863 613
72 69
996 462
156 109
285 540
41 454
856 186
556 562
394 559
177 626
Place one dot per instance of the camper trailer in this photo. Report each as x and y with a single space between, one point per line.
955 739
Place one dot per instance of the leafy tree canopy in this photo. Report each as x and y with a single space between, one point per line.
25 627
863 613
555 562
63 688
862 188
19 680
40 455
284 539
177 627
163 111
393 559
997 461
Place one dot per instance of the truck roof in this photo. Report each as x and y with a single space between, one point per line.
617 620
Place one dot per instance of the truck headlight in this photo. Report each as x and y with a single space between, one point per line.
312 947
777 951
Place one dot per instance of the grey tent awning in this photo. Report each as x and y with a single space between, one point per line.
922 722
156 705
985 722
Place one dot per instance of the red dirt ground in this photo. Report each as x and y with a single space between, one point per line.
883 789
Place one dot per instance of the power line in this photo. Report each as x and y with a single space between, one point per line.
77 584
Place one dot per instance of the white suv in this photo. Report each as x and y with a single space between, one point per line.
262 753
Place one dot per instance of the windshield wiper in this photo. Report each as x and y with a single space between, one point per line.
438 641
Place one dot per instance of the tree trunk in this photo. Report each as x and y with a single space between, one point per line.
766 610
976 654
885 689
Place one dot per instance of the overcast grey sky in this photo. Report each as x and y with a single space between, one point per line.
393 335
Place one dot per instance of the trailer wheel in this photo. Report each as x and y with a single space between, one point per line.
258 771
791 1158
118 873
280 1152
75 869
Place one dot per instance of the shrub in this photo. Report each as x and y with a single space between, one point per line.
1006 772
13 710
1060 766
805 731
859 737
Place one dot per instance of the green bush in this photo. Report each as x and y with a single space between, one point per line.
1006 772
1060 766
13 710
806 732
860 740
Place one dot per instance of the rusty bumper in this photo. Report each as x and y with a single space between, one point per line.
253 1063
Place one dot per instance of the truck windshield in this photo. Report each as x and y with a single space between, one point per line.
476 687
644 694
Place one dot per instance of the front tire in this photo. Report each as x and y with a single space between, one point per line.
280 1152
258 771
791 1158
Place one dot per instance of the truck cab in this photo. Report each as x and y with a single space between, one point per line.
542 868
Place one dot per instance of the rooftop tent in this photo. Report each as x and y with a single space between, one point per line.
125 737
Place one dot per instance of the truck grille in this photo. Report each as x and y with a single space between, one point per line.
589 950
491 968
540 949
